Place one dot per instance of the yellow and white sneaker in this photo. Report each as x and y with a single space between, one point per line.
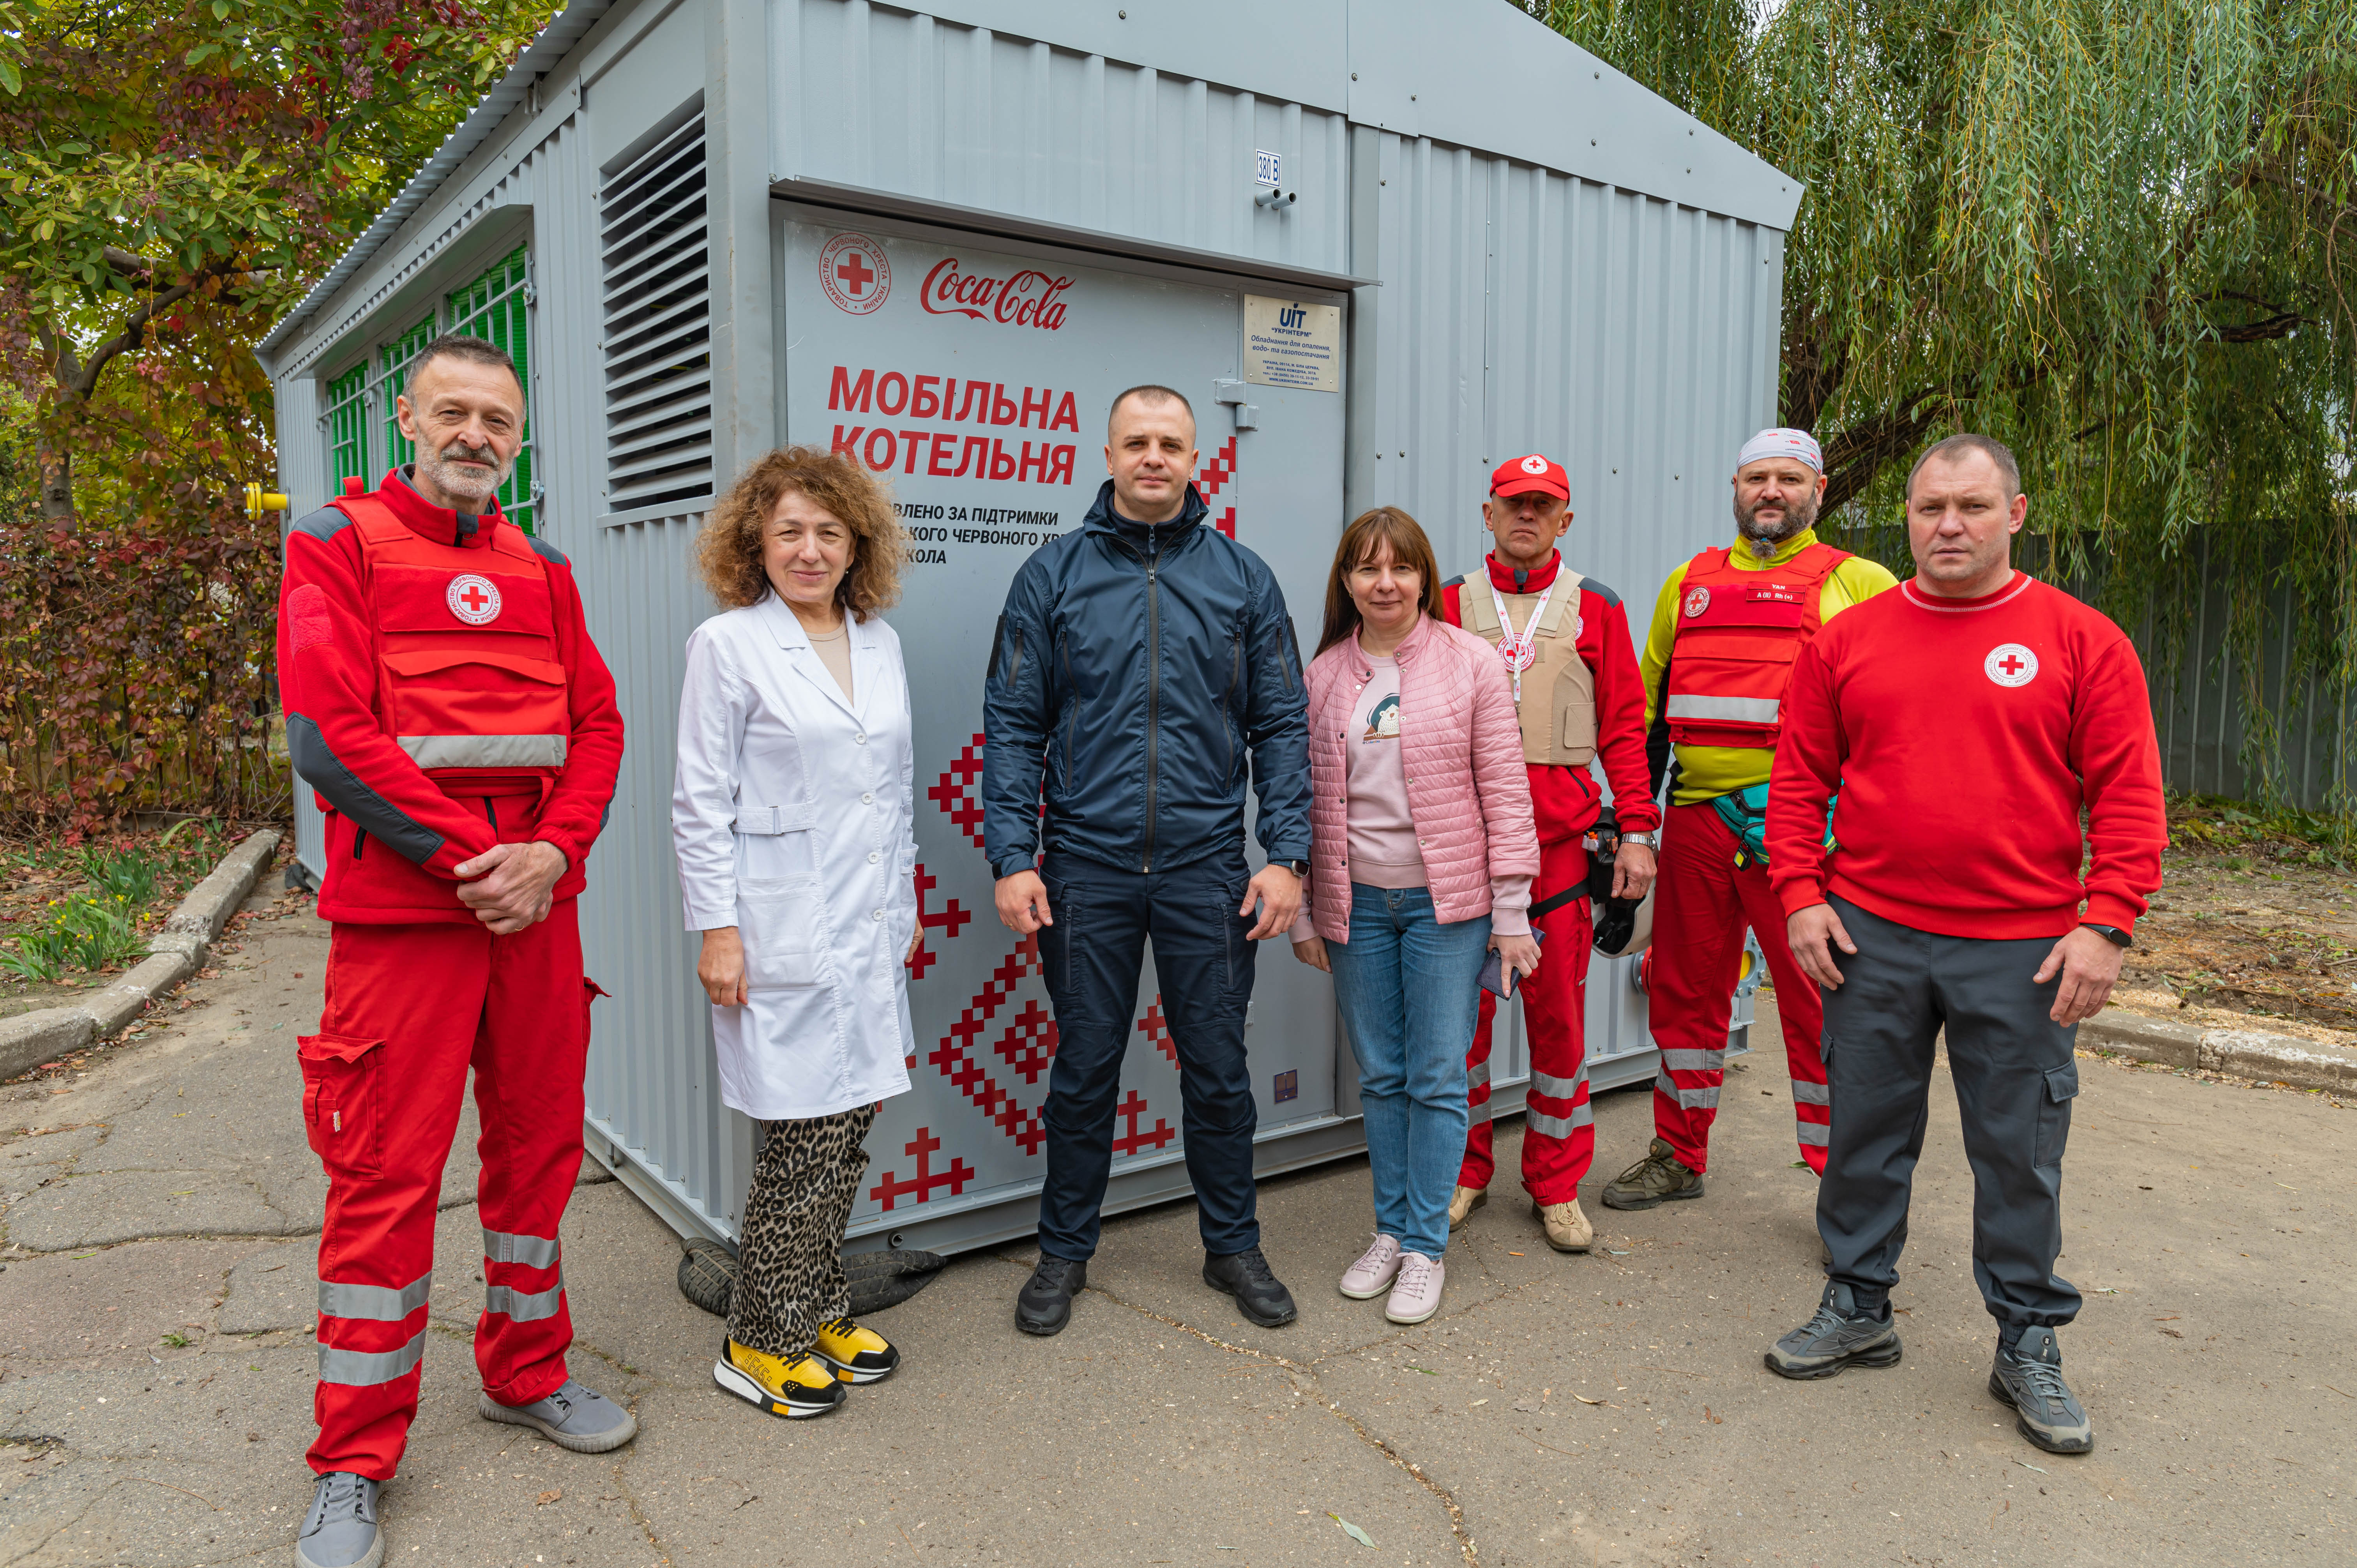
857 1355
803 1388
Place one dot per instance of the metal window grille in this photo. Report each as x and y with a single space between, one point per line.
346 423
391 367
656 257
496 308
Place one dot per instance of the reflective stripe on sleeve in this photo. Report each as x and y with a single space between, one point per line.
1481 1112
1559 1126
485 750
1694 1061
522 1307
366 1369
374 1304
532 1252
1806 1093
1815 1135
1744 710
1476 1076
1687 1099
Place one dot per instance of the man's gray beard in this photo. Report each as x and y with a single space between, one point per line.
1763 538
445 476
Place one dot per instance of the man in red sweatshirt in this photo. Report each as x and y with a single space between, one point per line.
1967 720
445 700
1564 640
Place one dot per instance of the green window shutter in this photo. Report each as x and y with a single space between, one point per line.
347 422
392 368
497 308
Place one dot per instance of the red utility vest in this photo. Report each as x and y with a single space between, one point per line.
470 677
1737 634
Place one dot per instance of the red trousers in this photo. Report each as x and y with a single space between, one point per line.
1558 1128
1701 905
409 1009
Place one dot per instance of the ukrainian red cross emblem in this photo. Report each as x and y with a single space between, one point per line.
856 274
2011 664
474 598
1697 601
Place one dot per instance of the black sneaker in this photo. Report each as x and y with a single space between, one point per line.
1045 1303
1659 1177
1839 1335
2030 1379
1245 1275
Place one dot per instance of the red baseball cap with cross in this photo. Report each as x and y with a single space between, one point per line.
1518 476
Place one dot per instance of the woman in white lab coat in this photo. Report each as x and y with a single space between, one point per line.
793 818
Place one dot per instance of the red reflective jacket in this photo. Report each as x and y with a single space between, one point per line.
1737 634
442 695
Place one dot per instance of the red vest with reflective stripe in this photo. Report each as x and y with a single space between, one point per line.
470 678
1738 633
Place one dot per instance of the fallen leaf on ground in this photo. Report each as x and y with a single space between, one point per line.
1708 1416
1584 1400
1353 1530
548 1496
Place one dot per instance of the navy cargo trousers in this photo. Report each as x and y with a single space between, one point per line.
1093 955
2015 1076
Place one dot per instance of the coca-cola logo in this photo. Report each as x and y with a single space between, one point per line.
1029 298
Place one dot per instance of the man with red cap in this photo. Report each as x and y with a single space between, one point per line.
445 700
1564 640
1727 627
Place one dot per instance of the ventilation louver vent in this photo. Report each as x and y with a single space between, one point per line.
656 257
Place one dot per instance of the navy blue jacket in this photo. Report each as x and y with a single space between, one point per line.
1137 667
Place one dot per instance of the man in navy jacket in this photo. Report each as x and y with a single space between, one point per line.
1141 660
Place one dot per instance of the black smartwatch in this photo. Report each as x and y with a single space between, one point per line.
2112 934
1298 868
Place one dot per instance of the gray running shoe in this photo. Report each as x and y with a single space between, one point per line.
1837 1336
2030 1379
575 1417
1656 1179
340 1529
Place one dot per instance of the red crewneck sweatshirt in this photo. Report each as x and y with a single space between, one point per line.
1964 736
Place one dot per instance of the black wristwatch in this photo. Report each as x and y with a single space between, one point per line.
1298 868
2112 934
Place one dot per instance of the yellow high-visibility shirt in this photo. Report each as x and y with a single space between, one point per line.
1707 771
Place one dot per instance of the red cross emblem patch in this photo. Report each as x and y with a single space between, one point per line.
474 598
2011 664
1697 601
856 274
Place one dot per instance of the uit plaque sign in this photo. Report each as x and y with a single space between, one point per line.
1292 343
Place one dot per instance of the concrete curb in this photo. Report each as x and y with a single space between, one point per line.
2245 1053
177 952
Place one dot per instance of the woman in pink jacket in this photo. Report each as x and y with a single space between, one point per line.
1422 852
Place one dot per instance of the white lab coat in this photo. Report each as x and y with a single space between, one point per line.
793 816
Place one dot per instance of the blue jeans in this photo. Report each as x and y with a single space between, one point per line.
1409 987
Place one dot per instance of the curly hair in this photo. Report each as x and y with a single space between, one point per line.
728 553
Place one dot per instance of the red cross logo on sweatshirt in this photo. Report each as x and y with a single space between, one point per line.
2011 664
474 598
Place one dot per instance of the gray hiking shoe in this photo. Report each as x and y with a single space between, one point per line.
340 1529
575 1417
1837 1336
1656 1179
2030 1379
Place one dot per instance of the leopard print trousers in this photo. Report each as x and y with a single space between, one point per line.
790 1253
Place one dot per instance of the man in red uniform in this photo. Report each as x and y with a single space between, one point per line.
445 700
1564 640
1727 627
1969 721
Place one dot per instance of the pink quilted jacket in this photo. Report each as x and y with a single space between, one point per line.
1466 791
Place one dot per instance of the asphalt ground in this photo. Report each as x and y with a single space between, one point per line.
156 1360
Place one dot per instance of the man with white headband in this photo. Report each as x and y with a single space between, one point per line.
1727 627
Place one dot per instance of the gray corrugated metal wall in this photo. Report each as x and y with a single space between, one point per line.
1009 124
2201 709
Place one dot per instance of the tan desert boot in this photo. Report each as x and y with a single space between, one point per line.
1567 1230
1463 1202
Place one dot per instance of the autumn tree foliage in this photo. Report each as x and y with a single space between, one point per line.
173 176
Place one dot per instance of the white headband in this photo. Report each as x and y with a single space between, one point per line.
1782 443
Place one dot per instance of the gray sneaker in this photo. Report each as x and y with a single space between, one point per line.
340 1529
575 1417
1837 1336
1656 1179
2030 1379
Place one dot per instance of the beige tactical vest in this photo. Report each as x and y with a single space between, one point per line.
1558 708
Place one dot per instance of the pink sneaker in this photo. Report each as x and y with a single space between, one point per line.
1371 1274
1417 1296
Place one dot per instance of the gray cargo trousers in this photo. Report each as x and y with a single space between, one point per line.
2014 1077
